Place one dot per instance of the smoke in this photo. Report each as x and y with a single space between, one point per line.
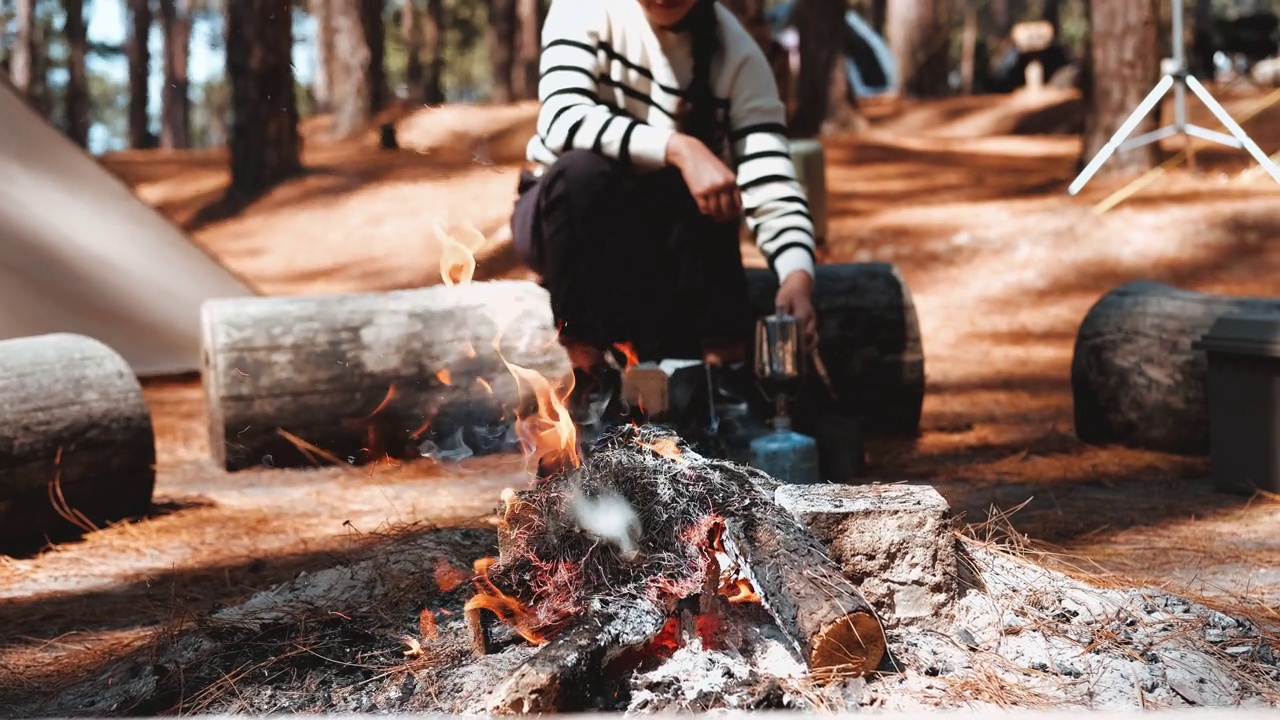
608 517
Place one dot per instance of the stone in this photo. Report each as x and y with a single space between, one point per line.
896 542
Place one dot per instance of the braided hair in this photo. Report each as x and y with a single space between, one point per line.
702 121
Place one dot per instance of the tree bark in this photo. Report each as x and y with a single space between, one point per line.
76 445
22 54
751 14
175 109
411 35
823 98
321 89
878 13
433 42
529 17
353 94
502 43
1124 64
360 376
265 145
1204 41
375 37
78 105
919 32
139 57
1135 378
1052 12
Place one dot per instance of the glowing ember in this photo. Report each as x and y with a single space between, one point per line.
628 351
666 447
740 591
445 377
427 625
448 577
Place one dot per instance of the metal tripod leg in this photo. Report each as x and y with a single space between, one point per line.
1237 132
1126 128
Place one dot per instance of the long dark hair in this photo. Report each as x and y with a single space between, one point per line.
702 120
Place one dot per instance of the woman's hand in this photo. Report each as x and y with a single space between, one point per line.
795 298
713 185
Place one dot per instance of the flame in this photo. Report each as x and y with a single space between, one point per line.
484 384
445 377
740 591
448 577
508 609
629 351
457 261
550 430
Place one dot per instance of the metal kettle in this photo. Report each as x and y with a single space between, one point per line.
779 351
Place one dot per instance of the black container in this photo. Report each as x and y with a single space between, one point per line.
1244 402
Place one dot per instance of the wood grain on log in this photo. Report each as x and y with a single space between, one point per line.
1135 378
77 449
560 676
361 376
869 338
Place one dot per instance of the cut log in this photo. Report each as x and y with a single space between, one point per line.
1135 378
295 381
869 338
834 627
77 451
563 673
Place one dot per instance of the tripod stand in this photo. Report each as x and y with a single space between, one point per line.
1179 78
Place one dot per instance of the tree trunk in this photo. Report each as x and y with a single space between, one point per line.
265 145
823 97
502 43
78 105
175 112
139 55
38 91
349 84
879 11
919 32
433 42
22 54
1124 65
1135 378
76 445
411 35
751 14
375 37
1204 41
1052 12
969 52
321 89
529 18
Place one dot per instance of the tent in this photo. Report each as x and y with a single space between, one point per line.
869 62
79 253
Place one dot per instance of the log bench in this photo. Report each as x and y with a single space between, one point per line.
1136 379
298 381
77 449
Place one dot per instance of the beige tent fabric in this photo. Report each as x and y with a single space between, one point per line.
80 253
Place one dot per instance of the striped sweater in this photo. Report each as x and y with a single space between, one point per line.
611 82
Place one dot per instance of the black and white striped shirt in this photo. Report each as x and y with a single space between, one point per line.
611 82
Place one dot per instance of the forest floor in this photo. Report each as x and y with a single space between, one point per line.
967 197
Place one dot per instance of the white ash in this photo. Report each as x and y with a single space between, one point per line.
608 517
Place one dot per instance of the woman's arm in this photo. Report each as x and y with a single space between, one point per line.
773 202
572 115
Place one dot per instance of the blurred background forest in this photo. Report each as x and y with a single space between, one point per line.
133 74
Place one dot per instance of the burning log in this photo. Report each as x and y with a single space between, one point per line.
76 445
296 381
1135 378
596 557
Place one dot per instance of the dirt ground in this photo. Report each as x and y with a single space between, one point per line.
971 208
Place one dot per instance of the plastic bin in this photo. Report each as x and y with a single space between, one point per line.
1244 402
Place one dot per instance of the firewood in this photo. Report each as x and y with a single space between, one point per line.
1135 378
77 449
560 575
366 376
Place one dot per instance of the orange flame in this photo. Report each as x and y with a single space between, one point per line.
427 625
445 377
550 430
508 609
629 351
666 447
484 384
457 261
740 591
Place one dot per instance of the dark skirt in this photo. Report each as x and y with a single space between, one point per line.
628 257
